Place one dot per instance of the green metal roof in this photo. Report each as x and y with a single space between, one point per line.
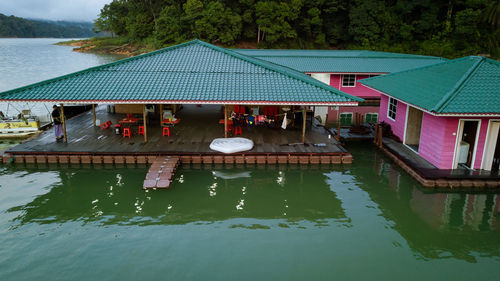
192 72
466 85
342 61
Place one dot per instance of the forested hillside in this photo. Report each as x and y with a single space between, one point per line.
11 26
436 27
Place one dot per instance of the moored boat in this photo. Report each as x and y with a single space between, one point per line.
19 127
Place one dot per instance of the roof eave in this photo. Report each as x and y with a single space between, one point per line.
312 103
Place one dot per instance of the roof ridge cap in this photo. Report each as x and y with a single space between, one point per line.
271 66
446 99
489 60
388 54
411 70
352 56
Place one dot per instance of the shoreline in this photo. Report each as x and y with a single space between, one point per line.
105 45
123 46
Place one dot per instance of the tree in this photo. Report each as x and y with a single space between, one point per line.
433 27
218 23
113 18
274 21
170 27
492 14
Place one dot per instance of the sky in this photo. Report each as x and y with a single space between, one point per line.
69 10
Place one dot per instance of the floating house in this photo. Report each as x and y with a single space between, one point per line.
343 69
209 82
448 113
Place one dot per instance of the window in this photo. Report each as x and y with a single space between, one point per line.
349 80
371 118
346 119
391 110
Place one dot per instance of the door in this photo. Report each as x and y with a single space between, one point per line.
492 151
466 146
413 128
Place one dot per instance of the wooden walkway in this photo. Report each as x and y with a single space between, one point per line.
199 126
430 176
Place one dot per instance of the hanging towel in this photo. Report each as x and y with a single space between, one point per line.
284 123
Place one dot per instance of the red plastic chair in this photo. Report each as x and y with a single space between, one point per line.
166 131
141 131
127 132
106 125
237 130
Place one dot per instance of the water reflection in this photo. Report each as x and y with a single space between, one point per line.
436 224
371 204
115 197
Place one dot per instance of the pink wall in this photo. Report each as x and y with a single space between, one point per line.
437 142
359 90
448 126
481 140
439 134
397 125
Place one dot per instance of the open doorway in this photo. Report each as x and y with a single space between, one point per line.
413 128
466 147
492 148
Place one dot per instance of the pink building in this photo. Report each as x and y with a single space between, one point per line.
343 69
447 113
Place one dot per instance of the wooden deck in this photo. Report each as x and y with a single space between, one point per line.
429 175
198 127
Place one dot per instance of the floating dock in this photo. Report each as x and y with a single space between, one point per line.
161 172
429 175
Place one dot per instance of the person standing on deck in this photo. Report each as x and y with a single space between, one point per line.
56 116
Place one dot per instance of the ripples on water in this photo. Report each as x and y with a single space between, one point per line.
26 61
363 221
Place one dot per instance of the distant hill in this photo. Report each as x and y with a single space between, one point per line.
11 26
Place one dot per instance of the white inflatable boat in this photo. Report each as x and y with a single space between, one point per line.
231 145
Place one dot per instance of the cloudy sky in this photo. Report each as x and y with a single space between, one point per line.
72 10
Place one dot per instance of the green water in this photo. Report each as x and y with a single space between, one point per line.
367 221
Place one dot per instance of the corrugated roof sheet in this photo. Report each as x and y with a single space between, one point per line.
192 71
342 61
466 85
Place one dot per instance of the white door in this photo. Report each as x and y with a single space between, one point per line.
491 145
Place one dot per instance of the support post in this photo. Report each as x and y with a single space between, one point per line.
144 115
63 119
380 137
304 125
93 113
375 135
161 112
339 126
225 121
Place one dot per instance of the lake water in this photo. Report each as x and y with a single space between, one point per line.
365 221
27 61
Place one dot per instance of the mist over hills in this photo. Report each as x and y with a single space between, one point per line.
12 26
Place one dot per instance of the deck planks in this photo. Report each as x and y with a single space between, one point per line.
198 127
